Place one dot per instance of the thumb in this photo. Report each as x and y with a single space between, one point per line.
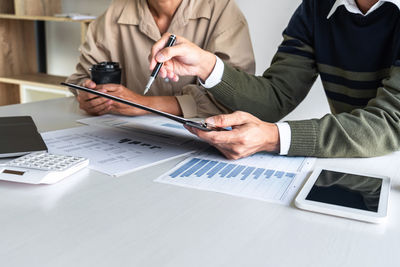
89 84
170 52
227 120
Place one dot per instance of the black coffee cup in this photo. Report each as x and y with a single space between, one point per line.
106 72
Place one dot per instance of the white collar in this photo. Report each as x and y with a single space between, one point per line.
352 7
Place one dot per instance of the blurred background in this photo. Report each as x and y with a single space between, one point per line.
267 19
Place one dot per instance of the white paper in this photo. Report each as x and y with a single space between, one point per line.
76 16
113 151
152 125
262 176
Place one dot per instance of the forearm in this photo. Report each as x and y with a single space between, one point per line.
272 96
371 131
167 104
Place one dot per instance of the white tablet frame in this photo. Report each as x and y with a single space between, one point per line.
341 211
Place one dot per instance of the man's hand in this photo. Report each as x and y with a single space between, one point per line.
182 59
93 104
249 135
124 93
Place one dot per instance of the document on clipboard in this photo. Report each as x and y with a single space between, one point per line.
199 125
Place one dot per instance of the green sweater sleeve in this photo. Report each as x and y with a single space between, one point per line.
371 131
273 95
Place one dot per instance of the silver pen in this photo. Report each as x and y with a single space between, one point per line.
153 76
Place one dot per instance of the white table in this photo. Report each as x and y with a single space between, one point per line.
92 219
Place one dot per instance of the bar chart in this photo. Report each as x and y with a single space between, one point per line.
240 178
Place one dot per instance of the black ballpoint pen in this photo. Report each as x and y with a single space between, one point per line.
153 76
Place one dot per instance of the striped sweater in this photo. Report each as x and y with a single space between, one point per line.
357 58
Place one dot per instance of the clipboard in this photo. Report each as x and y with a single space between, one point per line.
19 136
199 125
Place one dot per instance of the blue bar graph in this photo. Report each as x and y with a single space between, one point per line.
260 179
290 175
236 171
184 167
170 125
247 172
258 173
200 167
206 168
214 171
269 173
227 170
195 168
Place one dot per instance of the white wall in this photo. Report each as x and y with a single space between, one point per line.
63 38
267 20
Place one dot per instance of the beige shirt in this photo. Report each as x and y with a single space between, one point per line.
126 32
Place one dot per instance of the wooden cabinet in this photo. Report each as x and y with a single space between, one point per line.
37 8
19 46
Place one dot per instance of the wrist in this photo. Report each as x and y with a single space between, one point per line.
272 142
167 104
147 101
207 66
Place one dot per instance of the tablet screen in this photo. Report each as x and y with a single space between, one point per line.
348 190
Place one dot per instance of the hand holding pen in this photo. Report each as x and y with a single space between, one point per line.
156 70
183 59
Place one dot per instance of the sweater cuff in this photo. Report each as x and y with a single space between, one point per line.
188 105
304 138
224 90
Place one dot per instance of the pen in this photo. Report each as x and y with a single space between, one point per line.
153 76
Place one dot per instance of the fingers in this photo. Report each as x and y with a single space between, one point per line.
90 103
97 106
245 139
86 96
215 137
228 120
172 76
168 53
89 84
229 150
108 88
167 71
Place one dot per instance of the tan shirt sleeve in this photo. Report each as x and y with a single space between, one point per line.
230 42
92 52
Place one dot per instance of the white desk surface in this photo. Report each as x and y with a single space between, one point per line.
91 219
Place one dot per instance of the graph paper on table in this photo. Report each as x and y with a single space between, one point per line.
261 176
117 152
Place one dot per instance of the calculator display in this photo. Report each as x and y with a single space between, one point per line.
14 172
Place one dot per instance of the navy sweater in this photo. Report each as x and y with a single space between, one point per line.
347 43
357 59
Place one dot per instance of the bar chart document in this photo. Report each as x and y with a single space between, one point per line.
152 126
117 152
262 176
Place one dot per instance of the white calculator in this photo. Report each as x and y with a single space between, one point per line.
41 168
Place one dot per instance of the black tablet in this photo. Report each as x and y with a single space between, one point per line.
349 194
199 125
